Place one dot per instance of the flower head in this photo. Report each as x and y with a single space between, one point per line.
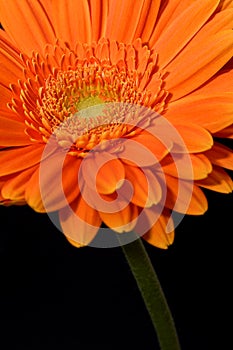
113 111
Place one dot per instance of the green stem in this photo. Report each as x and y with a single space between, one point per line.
152 294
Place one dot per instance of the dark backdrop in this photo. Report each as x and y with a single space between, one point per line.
56 296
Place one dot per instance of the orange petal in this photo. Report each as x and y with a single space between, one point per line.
2 199
198 166
195 138
147 20
157 235
185 197
222 79
27 23
225 4
12 133
6 96
80 222
11 64
196 64
110 176
146 188
72 21
127 13
103 172
218 180
14 188
17 197
217 23
123 220
221 155
168 12
144 149
54 184
182 29
18 159
99 13
226 132
7 113
202 167
197 109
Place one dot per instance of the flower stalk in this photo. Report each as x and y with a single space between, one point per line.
152 294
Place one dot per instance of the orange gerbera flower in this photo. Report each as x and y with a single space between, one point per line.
111 111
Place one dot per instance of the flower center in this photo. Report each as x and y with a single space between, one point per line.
66 92
88 102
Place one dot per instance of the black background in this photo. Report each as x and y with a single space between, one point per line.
56 296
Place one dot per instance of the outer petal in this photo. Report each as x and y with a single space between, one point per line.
177 166
213 112
225 4
221 155
27 23
185 197
226 132
123 220
169 10
12 133
147 21
196 138
98 13
222 80
80 222
6 201
144 149
54 184
119 13
10 67
196 64
72 21
18 159
103 172
219 22
2 199
146 188
218 180
14 188
7 113
157 235
182 29
136 18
